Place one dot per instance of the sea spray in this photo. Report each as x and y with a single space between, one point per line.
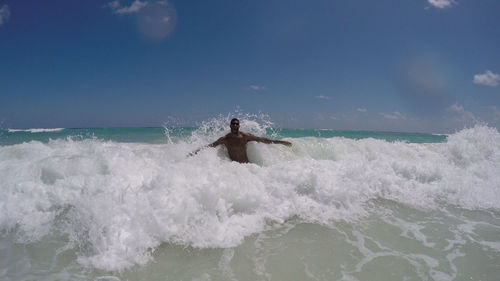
116 203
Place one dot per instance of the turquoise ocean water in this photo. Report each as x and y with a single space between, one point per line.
128 204
160 135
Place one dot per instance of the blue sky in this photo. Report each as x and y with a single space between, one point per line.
398 65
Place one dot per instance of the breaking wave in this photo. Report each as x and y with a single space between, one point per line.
116 202
38 130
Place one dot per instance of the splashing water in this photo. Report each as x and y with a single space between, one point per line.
108 206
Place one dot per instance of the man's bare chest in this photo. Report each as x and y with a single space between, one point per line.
237 141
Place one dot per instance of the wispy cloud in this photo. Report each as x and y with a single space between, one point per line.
395 116
494 110
321 97
488 78
113 5
135 7
324 117
442 3
362 110
4 14
257 87
156 20
465 115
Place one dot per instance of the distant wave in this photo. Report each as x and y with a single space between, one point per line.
37 130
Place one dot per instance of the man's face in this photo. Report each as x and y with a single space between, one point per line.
235 126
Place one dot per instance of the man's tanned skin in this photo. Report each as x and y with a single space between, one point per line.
236 142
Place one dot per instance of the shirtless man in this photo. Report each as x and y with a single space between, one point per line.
236 142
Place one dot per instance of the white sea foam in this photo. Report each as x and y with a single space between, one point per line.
116 202
37 130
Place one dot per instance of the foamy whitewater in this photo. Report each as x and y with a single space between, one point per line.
86 205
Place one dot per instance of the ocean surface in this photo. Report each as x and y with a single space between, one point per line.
128 204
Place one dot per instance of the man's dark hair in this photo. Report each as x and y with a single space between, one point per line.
235 119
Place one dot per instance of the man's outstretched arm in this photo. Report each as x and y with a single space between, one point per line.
250 137
214 144
217 142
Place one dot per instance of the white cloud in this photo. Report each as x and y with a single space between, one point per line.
4 14
496 111
488 78
324 117
441 3
362 109
395 116
464 114
257 87
121 10
114 5
321 97
455 108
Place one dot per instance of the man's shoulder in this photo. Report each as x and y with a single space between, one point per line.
250 137
247 135
227 136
